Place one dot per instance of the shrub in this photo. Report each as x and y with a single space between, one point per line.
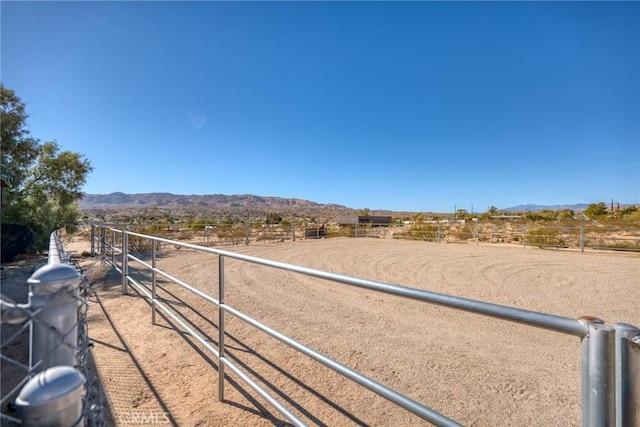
230 234
462 233
544 237
423 232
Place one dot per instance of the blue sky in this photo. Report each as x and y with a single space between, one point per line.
415 106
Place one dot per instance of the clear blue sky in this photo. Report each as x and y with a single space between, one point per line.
416 106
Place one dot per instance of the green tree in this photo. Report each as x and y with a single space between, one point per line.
543 215
596 210
43 182
273 218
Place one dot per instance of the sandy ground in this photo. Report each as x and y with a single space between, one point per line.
477 370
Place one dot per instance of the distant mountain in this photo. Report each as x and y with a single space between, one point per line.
577 207
536 208
165 200
247 201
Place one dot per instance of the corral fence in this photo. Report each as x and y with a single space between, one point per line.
581 237
217 234
56 385
610 354
525 235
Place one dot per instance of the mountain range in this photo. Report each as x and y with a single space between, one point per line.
213 201
536 208
167 200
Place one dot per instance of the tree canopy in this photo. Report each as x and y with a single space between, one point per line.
596 210
43 182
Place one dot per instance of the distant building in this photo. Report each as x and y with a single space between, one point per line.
374 221
507 217
316 232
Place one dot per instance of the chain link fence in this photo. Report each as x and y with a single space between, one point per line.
45 348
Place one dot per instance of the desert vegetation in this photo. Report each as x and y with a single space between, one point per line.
596 227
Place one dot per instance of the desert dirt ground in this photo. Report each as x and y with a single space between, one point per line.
477 370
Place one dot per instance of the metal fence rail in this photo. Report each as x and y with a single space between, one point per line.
581 237
610 382
56 373
577 237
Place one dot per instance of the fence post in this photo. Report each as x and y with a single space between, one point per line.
53 298
524 236
53 398
293 231
584 361
581 239
103 236
154 248
125 262
598 375
632 409
93 240
221 353
626 400
477 232
113 245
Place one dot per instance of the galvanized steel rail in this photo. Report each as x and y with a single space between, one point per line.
610 380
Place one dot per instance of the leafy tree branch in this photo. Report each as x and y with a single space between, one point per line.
43 182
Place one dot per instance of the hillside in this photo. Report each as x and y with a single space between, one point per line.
536 208
213 201
121 200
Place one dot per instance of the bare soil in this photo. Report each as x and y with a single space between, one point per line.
477 370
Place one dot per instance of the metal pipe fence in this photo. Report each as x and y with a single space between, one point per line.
609 354
57 386
214 234
526 235
565 237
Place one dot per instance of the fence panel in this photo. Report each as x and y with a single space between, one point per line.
603 366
